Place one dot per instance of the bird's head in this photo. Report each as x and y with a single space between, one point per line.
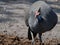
37 13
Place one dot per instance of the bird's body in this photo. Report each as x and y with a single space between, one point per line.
46 20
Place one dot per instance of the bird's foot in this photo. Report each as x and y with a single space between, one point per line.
41 43
33 43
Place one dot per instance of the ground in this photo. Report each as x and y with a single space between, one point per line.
15 40
13 30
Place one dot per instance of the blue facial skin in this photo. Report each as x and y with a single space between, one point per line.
40 19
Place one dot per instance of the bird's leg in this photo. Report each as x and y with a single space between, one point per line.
33 40
40 37
40 34
29 34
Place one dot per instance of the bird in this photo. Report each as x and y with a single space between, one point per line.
40 18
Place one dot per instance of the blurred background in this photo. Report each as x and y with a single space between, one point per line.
12 14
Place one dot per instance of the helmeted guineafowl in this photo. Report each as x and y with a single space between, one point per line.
41 18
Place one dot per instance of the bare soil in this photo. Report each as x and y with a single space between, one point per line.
15 40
